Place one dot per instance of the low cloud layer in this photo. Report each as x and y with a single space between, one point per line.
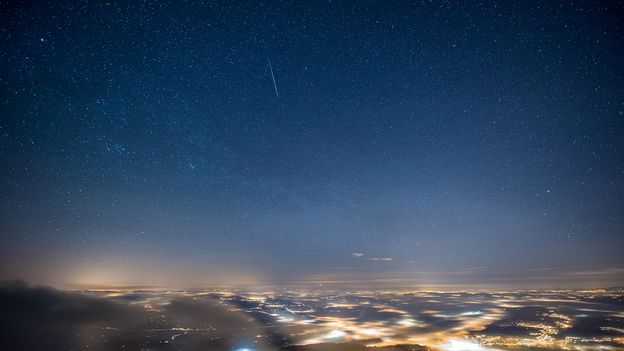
39 318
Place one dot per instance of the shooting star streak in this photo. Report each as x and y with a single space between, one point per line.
273 76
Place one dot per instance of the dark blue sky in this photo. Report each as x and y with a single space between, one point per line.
442 142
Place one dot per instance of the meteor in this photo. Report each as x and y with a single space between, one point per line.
273 76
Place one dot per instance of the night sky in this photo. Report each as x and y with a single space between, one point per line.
403 143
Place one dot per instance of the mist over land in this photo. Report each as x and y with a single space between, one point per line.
43 318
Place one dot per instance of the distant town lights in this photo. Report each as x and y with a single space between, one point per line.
335 334
461 345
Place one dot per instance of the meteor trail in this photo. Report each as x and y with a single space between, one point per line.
273 76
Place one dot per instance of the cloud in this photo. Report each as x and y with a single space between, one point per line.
379 259
606 271
39 318
360 254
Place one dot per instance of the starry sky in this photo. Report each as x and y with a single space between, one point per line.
416 143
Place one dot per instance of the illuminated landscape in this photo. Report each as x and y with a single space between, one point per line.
311 175
289 320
